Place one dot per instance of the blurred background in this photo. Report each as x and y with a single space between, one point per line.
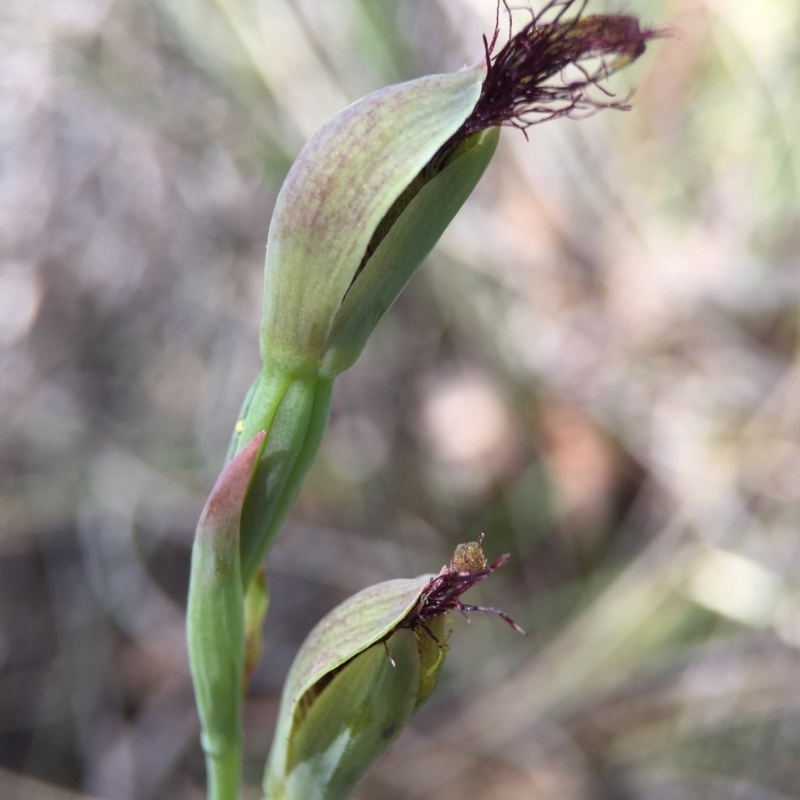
598 366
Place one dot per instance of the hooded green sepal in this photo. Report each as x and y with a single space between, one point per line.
342 185
407 242
215 621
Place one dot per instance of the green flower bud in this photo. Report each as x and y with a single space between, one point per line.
360 675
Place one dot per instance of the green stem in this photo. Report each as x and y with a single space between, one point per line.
223 773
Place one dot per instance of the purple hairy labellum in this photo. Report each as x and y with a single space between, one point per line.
554 67
442 593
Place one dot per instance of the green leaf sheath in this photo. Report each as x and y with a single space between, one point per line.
215 622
